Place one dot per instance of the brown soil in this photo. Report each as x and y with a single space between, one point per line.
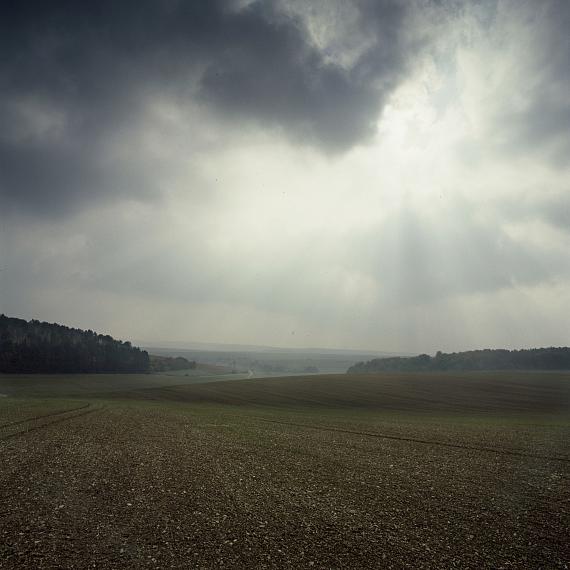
94 484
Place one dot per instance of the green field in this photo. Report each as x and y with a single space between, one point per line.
383 471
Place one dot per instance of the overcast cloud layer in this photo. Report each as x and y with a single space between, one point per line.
370 174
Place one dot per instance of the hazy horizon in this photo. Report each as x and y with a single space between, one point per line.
368 175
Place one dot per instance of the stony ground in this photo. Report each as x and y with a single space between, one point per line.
135 485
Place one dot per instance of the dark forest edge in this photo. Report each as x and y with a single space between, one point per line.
552 358
39 347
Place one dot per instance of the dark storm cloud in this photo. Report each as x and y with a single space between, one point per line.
273 74
74 76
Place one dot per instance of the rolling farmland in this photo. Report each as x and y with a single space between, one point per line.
381 471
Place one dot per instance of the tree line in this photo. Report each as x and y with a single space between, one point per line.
552 358
34 346
168 363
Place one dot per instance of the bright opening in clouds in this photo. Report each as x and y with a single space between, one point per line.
370 174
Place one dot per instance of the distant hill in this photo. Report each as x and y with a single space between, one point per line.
166 363
490 359
34 346
267 360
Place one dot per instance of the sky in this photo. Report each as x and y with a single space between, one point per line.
367 174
